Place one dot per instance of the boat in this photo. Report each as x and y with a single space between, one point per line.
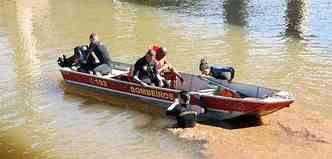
249 100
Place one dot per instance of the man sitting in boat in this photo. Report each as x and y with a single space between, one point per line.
102 61
216 72
145 71
165 69
186 116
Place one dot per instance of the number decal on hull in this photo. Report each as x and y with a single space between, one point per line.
98 82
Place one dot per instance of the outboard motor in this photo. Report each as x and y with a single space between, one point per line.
80 52
79 58
66 62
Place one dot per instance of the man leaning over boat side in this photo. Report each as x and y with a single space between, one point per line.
145 71
102 61
216 72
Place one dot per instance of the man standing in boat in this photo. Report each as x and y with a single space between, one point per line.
145 71
102 60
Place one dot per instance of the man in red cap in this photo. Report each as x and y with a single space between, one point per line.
165 69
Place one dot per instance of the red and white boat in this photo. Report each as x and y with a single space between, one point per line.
249 99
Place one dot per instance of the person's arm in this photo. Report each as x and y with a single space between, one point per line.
170 109
178 75
165 65
168 65
92 47
136 79
232 71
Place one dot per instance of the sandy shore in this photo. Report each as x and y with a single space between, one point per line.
289 133
285 134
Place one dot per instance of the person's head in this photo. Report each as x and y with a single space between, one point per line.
204 66
162 51
150 55
93 37
184 97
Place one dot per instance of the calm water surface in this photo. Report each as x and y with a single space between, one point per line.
281 44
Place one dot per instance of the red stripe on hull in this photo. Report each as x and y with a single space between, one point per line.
241 105
120 86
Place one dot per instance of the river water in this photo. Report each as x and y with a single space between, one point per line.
283 44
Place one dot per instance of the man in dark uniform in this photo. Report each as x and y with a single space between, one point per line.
145 70
185 115
102 60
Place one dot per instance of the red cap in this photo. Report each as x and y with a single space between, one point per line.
156 48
